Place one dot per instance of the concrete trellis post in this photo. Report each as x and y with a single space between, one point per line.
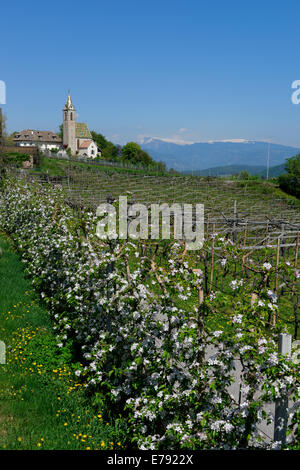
2 353
281 405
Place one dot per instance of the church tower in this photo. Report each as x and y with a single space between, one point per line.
69 125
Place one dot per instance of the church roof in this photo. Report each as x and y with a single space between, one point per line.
85 144
82 131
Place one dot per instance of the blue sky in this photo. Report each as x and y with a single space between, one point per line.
192 71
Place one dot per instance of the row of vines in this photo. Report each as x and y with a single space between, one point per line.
140 318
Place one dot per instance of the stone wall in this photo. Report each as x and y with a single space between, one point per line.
28 164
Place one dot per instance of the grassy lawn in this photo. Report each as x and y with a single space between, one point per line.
42 406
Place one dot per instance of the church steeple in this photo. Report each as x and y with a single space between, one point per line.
69 105
69 125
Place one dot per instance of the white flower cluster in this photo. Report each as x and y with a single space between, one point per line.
139 346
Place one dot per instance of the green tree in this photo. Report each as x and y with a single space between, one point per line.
133 153
109 151
244 175
290 182
161 166
5 139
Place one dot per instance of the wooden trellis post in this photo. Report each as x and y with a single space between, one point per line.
212 260
245 235
297 248
267 234
207 225
282 236
234 222
253 299
201 296
296 256
277 264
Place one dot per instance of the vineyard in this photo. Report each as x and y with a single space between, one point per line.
262 225
254 211
143 315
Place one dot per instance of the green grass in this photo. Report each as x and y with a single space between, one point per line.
41 404
56 167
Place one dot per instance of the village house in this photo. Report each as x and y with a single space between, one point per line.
45 140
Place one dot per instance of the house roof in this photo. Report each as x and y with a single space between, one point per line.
36 136
85 144
82 131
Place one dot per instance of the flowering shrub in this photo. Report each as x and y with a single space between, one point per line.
140 333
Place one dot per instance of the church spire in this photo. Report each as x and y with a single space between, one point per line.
69 125
69 105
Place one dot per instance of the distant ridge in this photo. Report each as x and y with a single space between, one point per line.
229 170
205 155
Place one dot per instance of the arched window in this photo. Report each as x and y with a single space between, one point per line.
66 115
71 118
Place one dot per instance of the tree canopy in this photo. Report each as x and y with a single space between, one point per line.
133 153
109 150
290 182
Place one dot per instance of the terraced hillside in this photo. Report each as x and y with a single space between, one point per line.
256 211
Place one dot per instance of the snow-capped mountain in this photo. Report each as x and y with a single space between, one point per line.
184 156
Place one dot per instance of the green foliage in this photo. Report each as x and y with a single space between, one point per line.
133 153
15 158
290 182
109 151
38 159
6 139
244 175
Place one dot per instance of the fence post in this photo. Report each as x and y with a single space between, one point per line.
212 260
234 222
2 353
281 405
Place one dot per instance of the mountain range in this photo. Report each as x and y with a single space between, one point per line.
229 155
274 171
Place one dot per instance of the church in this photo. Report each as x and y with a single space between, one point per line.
76 135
